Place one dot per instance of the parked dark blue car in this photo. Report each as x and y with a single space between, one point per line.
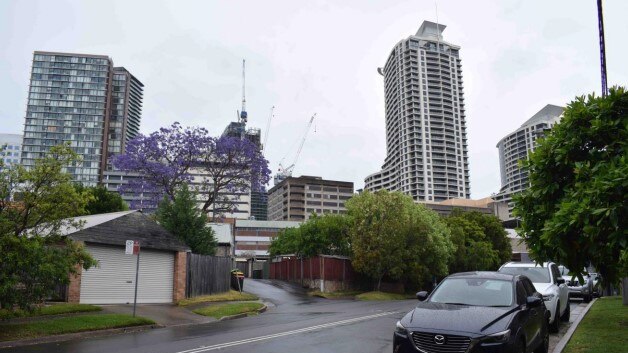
476 312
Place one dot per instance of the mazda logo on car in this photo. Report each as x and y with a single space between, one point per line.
439 339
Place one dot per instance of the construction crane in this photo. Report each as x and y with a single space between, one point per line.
285 172
242 115
272 110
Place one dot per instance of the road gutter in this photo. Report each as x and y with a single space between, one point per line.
563 341
76 335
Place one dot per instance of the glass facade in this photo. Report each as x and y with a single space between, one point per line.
10 149
71 98
126 112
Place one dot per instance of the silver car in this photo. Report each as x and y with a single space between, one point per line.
583 290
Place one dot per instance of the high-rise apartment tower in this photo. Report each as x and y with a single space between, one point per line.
84 100
426 136
517 146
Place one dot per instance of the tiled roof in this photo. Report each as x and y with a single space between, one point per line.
117 227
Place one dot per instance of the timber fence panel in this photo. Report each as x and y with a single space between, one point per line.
207 275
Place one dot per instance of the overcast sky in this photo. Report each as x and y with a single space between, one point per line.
307 57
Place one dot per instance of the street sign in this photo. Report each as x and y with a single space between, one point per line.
132 247
129 247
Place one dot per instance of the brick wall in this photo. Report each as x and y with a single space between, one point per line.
180 272
74 288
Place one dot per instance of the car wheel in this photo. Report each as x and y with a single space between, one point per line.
566 314
587 298
553 327
519 347
544 346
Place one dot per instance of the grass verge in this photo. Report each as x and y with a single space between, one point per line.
57 326
220 310
220 297
603 329
55 309
335 295
382 296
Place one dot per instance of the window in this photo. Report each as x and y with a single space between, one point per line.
521 293
528 286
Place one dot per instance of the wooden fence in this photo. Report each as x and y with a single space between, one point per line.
207 275
328 273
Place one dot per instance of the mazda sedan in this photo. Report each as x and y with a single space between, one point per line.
476 312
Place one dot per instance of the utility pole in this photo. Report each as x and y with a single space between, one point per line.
600 20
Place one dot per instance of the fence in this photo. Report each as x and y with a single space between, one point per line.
207 275
327 273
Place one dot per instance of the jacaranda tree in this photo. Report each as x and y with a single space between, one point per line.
168 158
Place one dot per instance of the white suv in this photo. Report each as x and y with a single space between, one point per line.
547 281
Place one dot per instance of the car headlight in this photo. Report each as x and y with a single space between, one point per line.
498 337
400 329
548 297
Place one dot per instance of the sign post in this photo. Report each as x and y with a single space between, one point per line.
133 248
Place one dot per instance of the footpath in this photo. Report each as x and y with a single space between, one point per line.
150 316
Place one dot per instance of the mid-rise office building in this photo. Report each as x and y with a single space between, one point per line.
253 237
517 146
296 199
86 101
10 149
426 136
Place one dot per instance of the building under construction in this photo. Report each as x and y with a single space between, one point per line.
238 129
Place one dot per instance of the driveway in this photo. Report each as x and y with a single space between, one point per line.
162 314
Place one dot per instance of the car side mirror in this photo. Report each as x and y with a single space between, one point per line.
422 295
560 280
533 301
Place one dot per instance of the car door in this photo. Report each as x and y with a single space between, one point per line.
535 322
563 290
527 326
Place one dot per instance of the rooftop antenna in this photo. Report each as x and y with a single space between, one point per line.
243 115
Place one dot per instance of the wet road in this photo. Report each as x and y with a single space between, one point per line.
293 323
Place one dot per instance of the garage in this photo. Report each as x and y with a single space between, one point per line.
113 281
162 265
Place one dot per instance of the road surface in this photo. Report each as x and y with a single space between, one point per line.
293 323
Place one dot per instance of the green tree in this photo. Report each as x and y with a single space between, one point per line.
327 234
575 210
34 208
393 237
184 219
480 239
473 252
101 200
286 242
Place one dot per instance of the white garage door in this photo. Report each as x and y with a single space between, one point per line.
113 281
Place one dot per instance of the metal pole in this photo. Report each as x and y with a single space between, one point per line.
137 271
600 19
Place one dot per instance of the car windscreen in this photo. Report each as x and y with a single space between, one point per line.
474 291
535 274
564 271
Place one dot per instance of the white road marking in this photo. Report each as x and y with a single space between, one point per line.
287 333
